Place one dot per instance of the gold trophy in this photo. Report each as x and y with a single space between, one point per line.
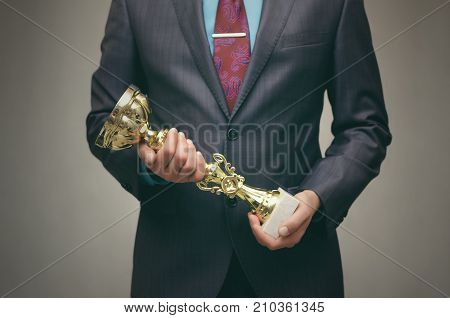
128 124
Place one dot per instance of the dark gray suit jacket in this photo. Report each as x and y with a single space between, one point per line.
303 48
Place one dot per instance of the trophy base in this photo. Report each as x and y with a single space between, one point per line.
285 207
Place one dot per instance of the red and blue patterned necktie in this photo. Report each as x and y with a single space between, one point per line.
231 55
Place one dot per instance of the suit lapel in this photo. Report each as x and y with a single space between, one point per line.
190 18
274 16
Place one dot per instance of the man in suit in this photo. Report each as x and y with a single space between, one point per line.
263 74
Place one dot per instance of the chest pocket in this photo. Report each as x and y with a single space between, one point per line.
308 38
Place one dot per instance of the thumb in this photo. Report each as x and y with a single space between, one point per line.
147 155
294 222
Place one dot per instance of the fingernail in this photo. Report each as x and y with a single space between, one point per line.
283 231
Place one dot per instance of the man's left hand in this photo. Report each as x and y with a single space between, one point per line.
293 229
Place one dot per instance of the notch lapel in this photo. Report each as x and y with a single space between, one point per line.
274 16
190 18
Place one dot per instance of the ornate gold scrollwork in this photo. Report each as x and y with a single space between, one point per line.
218 180
128 123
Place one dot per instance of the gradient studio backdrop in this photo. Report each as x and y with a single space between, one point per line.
55 195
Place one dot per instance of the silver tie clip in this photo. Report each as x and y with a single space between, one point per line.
229 35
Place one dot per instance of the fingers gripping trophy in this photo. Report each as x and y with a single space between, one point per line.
129 123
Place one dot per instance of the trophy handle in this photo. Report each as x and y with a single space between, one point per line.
155 139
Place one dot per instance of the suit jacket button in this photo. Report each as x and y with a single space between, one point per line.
232 134
231 203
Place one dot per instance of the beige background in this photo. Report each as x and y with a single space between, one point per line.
55 195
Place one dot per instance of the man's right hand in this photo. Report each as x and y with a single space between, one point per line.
177 161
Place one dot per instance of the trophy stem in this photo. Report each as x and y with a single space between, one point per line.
261 201
154 139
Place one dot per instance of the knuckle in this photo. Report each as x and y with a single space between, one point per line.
170 152
163 170
179 160
182 158
172 170
148 165
188 168
198 176
271 246
148 160
182 173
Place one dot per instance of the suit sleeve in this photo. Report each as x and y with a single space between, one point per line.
360 122
119 67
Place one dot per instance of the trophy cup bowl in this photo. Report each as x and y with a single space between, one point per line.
128 124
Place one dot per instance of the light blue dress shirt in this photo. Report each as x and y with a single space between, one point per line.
253 9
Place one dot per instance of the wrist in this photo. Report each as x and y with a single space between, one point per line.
311 199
